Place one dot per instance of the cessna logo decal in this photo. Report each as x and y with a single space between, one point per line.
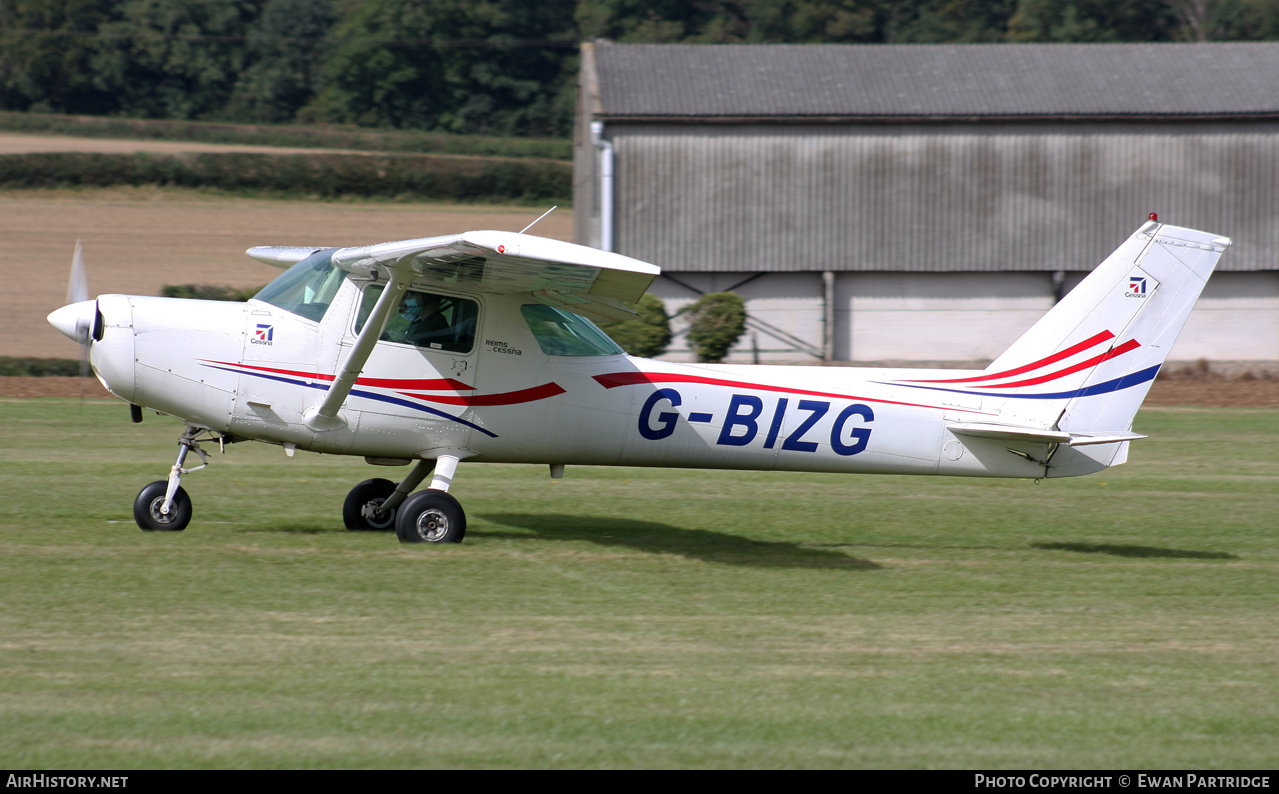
502 347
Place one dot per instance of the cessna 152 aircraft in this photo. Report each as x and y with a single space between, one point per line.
479 347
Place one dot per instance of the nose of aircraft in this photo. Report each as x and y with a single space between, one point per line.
75 320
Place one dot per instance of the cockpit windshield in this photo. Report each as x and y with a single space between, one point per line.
307 288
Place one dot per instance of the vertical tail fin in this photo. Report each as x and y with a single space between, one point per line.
1120 321
1086 366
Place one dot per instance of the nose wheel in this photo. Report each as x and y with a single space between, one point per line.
148 508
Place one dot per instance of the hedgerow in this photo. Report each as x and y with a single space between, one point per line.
416 177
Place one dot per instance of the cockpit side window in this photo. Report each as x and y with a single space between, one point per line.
561 333
426 320
307 288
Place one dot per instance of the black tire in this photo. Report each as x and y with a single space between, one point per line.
146 509
376 490
430 517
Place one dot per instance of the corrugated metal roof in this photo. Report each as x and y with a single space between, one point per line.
937 80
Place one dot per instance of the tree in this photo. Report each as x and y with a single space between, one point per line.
795 21
1092 21
284 61
1227 20
491 67
46 47
647 335
177 59
718 321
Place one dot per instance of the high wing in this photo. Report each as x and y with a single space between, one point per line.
596 284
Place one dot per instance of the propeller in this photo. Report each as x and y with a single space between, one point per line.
78 284
79 319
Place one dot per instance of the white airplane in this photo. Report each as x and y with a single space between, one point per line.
479 347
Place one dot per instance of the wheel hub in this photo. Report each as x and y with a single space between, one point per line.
376 518
157 511
432 525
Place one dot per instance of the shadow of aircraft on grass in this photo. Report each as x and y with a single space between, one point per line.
1134 551
316 528
654 538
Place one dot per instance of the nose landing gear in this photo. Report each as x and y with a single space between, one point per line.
163 505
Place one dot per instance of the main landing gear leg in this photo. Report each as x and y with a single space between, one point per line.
433 516
164 505
372 504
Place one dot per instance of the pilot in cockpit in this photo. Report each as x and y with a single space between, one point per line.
425 321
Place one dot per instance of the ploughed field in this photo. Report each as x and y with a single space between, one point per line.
138 240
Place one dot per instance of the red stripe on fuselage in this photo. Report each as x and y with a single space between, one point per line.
613 380
1043 362
1131 344
424 384
481 400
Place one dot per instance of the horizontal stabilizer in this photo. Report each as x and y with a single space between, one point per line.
1039 435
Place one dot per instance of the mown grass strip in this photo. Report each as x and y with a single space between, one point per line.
640 618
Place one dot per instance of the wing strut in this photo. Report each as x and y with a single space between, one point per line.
325 415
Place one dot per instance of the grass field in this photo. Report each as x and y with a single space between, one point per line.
640 618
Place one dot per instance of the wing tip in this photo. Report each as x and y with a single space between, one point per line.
282 256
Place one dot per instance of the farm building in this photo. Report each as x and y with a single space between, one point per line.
928 202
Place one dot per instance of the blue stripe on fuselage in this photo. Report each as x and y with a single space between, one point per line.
1127 381
361 393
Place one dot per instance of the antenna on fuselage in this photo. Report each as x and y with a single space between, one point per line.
539 217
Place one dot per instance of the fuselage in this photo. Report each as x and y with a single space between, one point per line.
253 369
476 347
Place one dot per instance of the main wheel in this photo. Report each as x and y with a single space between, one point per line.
377 490
430 517
146 509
